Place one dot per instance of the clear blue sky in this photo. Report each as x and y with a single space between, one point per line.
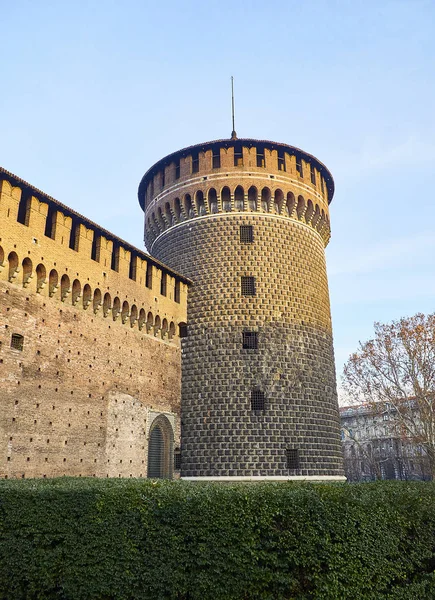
93 93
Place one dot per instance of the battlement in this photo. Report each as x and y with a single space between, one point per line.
53 251
236 176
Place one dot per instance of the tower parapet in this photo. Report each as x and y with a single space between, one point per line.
247 221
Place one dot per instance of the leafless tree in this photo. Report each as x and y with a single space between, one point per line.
395 371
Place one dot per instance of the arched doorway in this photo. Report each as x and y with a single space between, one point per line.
160 449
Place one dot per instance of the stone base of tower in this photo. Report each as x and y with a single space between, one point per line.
259 478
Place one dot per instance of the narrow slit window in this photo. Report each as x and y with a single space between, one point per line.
292 458
75 235
299 167
258 400
163 179
132 267
248 286
177 459
24 210
149 276
115 258
96 247
216 159
246 234
321 185
50 223
313 175
250 340
238 156
17 341
177 291
195 163
281 160
177 169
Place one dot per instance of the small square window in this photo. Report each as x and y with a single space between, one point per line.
292 456
246 234
248 286
17 341
250 340
258 400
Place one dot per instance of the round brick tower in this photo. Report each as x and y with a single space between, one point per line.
247 221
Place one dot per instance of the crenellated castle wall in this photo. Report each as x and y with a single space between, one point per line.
89 342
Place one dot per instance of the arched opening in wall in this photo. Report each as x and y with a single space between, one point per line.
65 287
133 315
164 328
316 216
116 308
53 282
27 271
160 449
87 295
301 207
142 319
278 201
226 199
199 203
212 201
252 197
24 210
125 313
157 325
171 330
168 215
107 304
76 292
188 208
97 301
239 198
309 212
265 199
41 277
177 209
150 322
290 204
13 266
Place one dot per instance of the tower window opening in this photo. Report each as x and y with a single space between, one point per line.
115 258
177 169
75 235
195 163
281 160
258 400
163 284
132 267
24 211
177 291
313 175
96 247
163 179
17 342
292 458
299 168
182 330
321 185
238 156
216 159
246 234
248 286
149 276
261 161
250 340
50 223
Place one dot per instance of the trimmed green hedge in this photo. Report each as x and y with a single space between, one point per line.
135 539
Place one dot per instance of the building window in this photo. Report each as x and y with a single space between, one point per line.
163 283
195 163
258 400
238 156
281 160
177 169
132 267
321 185
163 178
177 291
182 330
250 340
216 159
177 459
261 162
114 264
292 456
313 175
299 167
149 276
248 286
17 341
246 234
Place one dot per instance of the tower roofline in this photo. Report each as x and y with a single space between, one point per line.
227 143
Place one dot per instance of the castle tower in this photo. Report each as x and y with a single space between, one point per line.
247 221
